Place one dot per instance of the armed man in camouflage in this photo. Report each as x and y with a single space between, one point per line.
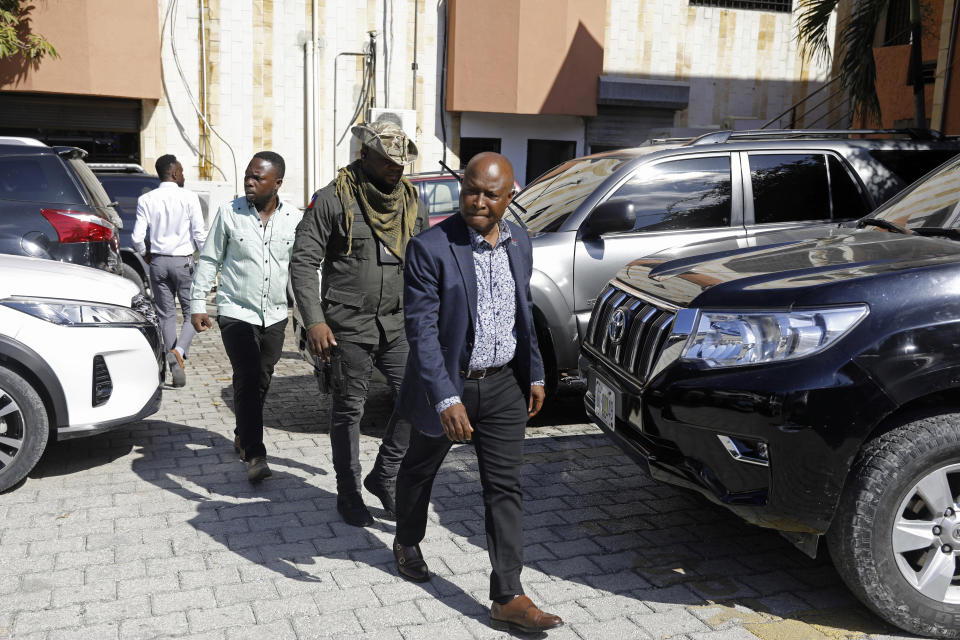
358 227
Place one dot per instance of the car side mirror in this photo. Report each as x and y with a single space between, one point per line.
611 217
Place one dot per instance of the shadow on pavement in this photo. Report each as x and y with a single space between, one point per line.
282 525
594 517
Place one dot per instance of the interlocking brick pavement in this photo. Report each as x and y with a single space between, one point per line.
152 531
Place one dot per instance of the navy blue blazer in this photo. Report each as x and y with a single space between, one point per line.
440 310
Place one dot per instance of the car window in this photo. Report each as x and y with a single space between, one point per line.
442 197
845 194
910 165
680 194
551 198
789 187
101 200
37 179
934 202
127 187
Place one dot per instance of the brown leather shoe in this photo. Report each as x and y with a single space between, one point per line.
176 368
410 562
520 614
257 469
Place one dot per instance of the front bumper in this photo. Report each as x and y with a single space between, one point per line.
809 416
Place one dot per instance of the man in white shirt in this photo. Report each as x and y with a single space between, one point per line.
175 220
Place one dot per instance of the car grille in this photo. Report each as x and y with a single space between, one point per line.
628 331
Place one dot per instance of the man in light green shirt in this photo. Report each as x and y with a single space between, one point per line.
249 244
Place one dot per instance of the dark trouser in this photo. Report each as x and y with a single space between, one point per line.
253 351
498 414
170 279
346 411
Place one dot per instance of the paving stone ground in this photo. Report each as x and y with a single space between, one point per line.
152 531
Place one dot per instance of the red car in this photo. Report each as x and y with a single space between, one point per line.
440 191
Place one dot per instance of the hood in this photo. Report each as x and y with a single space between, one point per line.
39 278
771 275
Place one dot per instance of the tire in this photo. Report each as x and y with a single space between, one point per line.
133 276
899 516
24 428
549 358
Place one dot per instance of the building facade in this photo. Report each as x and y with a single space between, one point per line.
214 81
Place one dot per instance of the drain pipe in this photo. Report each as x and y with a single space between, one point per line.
310 49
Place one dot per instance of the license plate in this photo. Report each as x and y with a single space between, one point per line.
605 403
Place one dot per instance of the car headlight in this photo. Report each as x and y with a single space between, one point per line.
731 338
73 312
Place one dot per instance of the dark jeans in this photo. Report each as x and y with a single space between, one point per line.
253 351
498 414
347 410
170 279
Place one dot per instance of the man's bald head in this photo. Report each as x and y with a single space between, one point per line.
486 191
492 164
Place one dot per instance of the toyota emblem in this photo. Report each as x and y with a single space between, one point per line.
956 533
618 321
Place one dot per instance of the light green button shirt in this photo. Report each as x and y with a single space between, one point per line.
252 261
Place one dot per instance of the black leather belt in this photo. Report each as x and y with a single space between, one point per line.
480 374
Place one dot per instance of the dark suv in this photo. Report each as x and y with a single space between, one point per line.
52 206
124 184
812 387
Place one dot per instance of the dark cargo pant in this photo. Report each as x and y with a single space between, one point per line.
349 396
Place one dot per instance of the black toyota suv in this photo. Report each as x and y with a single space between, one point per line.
52 206
812 387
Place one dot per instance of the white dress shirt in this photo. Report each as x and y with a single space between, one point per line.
175 220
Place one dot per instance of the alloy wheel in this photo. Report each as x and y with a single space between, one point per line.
926 535
11 429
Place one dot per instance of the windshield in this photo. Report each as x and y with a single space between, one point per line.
552 197
932 202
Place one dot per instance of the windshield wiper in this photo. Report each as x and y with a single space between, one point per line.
883 224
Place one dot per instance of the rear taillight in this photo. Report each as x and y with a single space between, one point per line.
76 226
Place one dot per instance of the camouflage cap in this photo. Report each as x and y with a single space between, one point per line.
387 139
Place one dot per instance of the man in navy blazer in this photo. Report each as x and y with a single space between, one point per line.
474 373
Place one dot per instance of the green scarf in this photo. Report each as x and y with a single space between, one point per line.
392 216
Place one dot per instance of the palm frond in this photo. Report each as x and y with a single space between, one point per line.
858 70
813 21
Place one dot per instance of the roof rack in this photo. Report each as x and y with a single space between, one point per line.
720 137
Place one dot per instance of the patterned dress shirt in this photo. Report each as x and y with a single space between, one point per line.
495 335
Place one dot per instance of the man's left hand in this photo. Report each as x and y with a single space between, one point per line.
536 400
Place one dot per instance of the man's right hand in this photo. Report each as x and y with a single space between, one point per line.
201 322
456 423
320 339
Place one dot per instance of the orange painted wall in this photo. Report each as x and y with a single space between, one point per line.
106 47
525 56
893 63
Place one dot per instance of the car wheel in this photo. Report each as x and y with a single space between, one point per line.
131 274
896 537
24 428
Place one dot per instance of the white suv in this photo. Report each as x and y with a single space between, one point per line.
80 353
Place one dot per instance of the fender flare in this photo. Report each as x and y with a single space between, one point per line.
36 368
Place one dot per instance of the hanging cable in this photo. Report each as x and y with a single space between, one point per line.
176 59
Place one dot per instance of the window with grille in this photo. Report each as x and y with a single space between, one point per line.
897 28
781 6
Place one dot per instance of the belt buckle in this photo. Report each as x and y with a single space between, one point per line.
475 374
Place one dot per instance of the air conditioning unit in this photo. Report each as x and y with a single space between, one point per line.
212 194
405 118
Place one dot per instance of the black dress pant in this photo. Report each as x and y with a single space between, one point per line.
253 351
498 414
